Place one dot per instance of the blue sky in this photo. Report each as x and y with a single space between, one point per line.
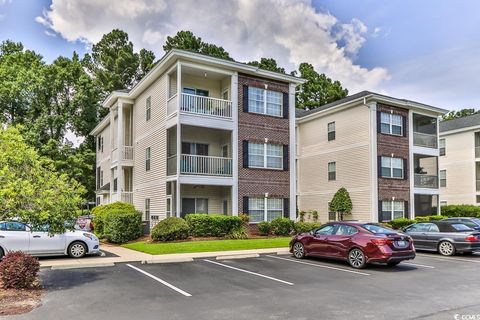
421 50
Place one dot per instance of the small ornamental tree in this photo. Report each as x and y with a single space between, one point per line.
341 202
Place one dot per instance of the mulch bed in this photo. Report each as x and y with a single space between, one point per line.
18 301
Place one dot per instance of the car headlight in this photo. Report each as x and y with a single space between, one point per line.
90 236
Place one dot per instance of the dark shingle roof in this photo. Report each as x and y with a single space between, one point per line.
464 122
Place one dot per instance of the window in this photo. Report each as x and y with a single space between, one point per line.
13 226
478 199
197 92
201 205
146 216
264 209
344 230
100 143
420 227
265 155
441 145
147 159
325 231
374 228
265 102
98 178
391 124
392 210
101 178
148 108
331 131
169 207
332 171
392 168
444 202
199 149
443 178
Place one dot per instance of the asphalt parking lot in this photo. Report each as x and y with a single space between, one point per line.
268 287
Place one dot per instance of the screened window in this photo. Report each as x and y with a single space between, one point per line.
442 147
392 167
264 209
146 216
265 101
148 108
391 124
265 155
147 159
443 178
331 131
332 171
392 210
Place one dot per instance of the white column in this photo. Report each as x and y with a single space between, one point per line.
411 169
373 161
178 198
292 152
235 155
112 123
119 137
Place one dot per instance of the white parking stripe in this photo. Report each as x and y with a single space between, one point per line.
186 294
447 259
418 265
320 266
249 272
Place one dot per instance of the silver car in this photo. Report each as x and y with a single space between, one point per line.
446 237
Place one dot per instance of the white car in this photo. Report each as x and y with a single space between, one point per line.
17 236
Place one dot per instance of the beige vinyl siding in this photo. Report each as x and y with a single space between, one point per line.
103 158
350 151
459 162
215 195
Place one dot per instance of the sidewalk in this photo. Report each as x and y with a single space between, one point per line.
127 255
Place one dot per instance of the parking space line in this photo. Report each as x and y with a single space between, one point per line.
249 272
186 294
448 259
418 265
321 266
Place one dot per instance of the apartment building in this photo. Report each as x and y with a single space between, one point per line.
383 150
460 161
200 134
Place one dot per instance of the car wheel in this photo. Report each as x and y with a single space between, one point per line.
446 248
357 259
77 250
298 250
393 263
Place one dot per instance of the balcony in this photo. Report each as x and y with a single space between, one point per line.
425 140
200 105
425 131
127 197
426 181
200 165
126 154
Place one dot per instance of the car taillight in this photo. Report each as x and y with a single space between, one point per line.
380 242
471 237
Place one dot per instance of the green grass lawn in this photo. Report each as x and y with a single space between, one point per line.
207 245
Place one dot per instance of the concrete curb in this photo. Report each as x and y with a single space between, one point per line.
238 256
78 266
171 260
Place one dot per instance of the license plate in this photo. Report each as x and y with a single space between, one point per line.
401 243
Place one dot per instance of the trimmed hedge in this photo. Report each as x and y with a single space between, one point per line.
281 226
122 226
403 222
461 210
212 225
170 229
100 213
303 227
264 228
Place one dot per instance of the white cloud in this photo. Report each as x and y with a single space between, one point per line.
289 31
2 2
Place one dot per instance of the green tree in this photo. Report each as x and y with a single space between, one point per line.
267 64
341 203
30 188
318 89
186 40
459 114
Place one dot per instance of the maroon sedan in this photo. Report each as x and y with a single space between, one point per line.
358 243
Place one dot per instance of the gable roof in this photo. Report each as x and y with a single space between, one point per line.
460 123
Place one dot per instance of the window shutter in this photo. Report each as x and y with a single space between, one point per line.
102 143
245 153
285 157
379 122
380 216
245 98
286 208
407 215
245 205
404 123
285 105
405 169
379 166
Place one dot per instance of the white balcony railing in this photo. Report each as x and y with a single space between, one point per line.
206 106
127 153
205 165
425 140
172 104
127 197
426 181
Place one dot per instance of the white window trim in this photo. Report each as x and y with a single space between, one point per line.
265 207
440 178
265 157
390 124
265 104
392 210
328 170
148 108
148 157
147 211
391 168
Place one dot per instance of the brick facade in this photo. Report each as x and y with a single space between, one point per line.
256 128
399 147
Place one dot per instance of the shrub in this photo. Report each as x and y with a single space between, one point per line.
170 229
315 215
18 270
461 210
302 227
436 218
301 216
401 223
240 233
212 225
281 226
264 228
122 226
100 213
244 217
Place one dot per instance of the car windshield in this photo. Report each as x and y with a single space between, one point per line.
374 228
461 227
476 220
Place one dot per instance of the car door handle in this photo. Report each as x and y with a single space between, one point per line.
36 236
2 237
